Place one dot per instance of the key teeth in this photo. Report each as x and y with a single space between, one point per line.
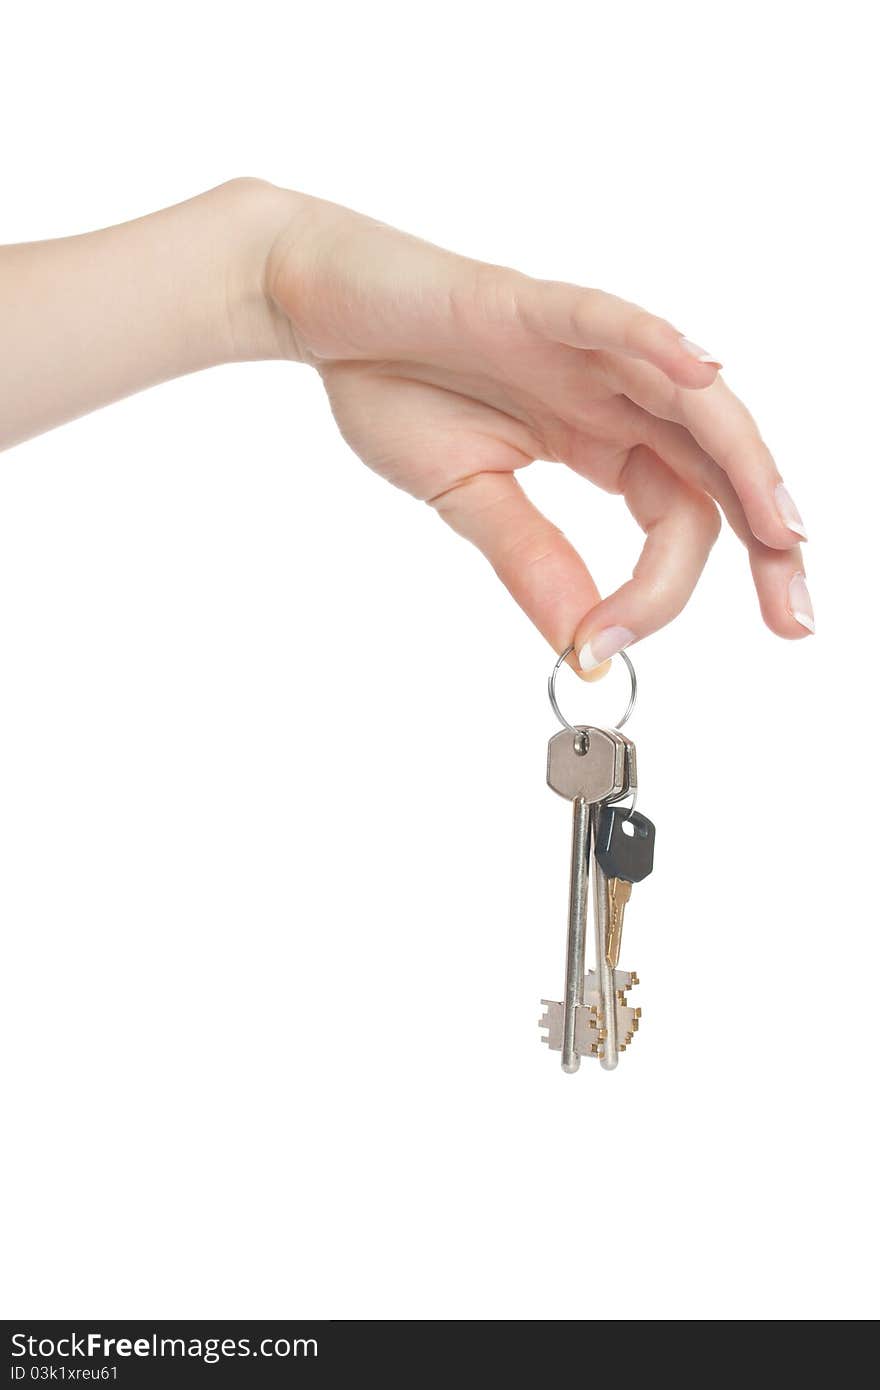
627 1016
551 1021
591 1034
588 1033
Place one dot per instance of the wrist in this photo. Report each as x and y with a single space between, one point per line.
253 216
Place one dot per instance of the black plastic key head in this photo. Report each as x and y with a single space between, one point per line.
625 844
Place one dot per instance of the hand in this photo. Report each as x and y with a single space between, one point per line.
447 375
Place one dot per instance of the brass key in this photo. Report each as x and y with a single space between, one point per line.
618 890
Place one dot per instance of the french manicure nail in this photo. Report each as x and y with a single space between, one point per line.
605 644
799 604
699 352
791 517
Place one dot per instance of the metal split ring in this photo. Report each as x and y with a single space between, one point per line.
551 691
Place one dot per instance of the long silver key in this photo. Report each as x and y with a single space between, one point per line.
606 986
588 767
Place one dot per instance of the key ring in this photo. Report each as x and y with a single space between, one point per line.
551 691
633 693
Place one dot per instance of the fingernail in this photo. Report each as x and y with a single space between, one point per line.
603 645
799 604
699 352
791 517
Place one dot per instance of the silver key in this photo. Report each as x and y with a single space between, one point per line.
587 767
606 986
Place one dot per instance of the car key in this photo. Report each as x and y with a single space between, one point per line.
624 852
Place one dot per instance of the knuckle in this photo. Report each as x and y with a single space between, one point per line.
585 305
742 448
643 331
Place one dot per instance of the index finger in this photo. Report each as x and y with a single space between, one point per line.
723 427
592 320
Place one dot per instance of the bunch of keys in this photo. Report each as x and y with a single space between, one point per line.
614 846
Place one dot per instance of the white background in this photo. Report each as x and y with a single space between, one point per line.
281 884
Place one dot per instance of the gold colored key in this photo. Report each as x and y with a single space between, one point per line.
618 891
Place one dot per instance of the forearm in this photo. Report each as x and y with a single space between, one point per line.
88 319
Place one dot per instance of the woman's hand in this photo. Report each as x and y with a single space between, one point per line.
447 375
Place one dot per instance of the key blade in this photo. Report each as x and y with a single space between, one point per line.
627 1025
619 892
624 980
551 1021
588 1033
626 1015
